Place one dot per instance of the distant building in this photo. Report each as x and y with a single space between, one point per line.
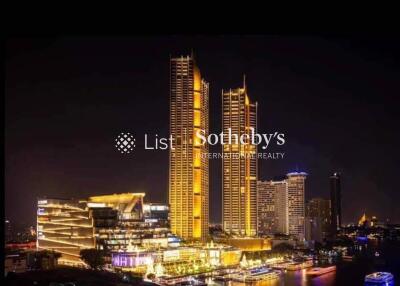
318 218
336 209
281 205
42 260
15 263
8 231
363 221
296 203
266 197
374 221
272 207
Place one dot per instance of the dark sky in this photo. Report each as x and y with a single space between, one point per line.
335 98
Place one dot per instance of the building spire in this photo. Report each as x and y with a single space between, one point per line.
244 81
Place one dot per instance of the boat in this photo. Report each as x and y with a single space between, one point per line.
317 271
379 278
184 281
299 265
256 274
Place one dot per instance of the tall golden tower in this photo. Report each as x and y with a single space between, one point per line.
188 167
239 164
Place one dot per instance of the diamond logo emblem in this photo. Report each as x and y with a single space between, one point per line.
125 143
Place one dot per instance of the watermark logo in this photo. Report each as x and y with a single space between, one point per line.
233 145
125 143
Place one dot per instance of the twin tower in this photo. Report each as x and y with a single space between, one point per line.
189 160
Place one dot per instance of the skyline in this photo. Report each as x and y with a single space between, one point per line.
66 150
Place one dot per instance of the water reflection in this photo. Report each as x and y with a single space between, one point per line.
289 278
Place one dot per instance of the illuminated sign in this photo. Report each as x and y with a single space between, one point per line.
131 259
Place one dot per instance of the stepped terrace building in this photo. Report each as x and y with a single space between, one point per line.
109 222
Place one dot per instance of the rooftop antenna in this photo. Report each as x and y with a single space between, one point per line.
244 81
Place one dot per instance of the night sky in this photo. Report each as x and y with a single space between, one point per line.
335 98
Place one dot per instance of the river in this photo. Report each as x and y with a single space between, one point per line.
351 273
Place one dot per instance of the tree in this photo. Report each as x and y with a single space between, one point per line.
93 257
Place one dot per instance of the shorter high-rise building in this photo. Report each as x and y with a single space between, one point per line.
266 207
317 219
281 205
272 207
296 203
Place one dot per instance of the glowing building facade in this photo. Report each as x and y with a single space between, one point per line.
296 203
273 215
214 255
111 222
239 164
266 197
281 205
66 227
188 172
122 220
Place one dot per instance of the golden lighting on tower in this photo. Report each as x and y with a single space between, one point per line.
240 165
188 180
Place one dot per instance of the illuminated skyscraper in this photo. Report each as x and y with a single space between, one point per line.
239 164
336 210
188 172
296 203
